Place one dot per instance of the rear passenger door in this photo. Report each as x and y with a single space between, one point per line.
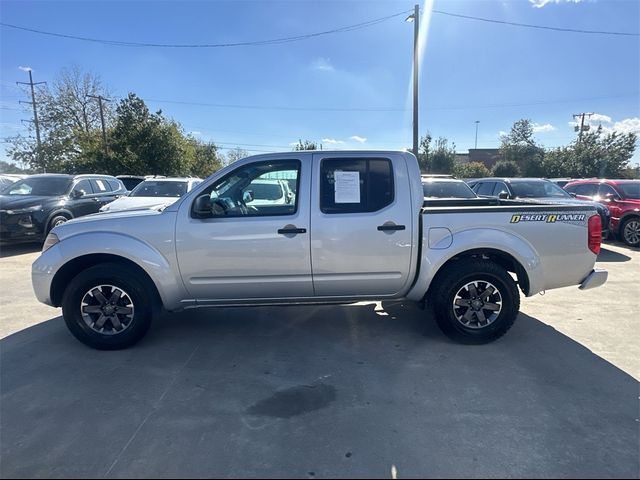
361 225
103 193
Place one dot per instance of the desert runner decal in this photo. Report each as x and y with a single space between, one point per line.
574 218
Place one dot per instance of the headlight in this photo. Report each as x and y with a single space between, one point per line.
104 208
51 240
20 211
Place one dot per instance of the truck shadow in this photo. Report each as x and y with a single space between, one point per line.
609 256
323 390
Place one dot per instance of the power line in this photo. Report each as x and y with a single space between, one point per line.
273 41
383 109
542 27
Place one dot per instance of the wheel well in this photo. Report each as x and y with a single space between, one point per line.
506 261
68 271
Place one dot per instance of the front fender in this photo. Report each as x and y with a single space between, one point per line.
161 268
477 239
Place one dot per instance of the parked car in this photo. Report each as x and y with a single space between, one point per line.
536 189
31 207
358 229
445 187
269 192
155 192
561 182
621 197
132 181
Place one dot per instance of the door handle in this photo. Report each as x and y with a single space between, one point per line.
390 227
291 230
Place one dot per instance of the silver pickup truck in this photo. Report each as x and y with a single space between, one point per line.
354 227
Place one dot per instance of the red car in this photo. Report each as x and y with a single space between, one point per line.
622 197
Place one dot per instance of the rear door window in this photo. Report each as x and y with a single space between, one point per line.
355 185
100 185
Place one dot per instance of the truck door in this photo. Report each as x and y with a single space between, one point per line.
361 225
248 250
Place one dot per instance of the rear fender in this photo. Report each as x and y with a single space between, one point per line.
478 239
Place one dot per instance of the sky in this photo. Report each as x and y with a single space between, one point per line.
346 90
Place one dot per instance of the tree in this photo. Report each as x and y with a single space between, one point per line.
7 167
471 170
519 146
205 158
596 155
505 169
305 145
424 150
69 122
234 155
443 157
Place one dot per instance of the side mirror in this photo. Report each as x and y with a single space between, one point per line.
247 196
573 194
503 195
75 194
202 206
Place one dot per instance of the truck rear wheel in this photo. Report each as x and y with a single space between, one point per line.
108 307
475 301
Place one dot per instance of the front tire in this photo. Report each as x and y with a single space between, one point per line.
475 301
630 231
54 222
108 307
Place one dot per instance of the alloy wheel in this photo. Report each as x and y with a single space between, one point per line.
107 309
477 304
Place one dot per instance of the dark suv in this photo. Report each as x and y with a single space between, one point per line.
535 189
29 208
621 197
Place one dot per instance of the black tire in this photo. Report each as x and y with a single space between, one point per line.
631 238
137 297
454 280
55 221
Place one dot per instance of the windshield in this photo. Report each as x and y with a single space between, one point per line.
537 189
630 190
154 188
266 191
41 186
447 190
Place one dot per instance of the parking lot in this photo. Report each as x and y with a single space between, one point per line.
366 390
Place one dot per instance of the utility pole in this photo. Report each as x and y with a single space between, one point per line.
100 99
415 18
582 127
477 122
35 112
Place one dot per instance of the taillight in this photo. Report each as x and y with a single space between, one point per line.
595 233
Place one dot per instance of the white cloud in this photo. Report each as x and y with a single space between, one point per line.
547 127
502 133
322 64
358 139
628 125
331 141
25 69
596 117
544 3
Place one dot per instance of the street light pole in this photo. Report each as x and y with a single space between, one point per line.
416 29
477 122
415 18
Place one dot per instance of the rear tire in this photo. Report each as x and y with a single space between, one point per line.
475 301
630 231
108 306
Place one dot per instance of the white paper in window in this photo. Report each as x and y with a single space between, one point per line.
101 185
347 187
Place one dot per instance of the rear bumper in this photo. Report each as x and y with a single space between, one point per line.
596 278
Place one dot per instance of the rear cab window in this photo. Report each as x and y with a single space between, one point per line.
355 185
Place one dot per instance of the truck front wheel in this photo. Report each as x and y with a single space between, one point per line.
108 307
475 301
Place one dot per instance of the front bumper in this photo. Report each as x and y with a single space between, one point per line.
42 272
19 228
596 278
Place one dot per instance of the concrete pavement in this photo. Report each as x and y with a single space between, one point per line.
355 391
